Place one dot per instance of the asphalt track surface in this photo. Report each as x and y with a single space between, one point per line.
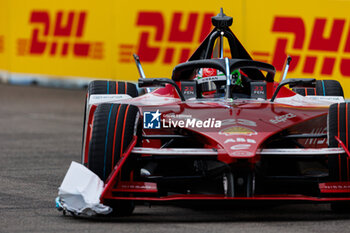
40 134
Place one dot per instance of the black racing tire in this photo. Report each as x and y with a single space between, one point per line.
338 125
329 88
113 129
305 91
106 87
323 88
112 87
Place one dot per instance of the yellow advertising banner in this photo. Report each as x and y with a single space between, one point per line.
69 39
316 35
4 35
90 39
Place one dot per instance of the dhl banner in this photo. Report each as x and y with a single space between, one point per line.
96 39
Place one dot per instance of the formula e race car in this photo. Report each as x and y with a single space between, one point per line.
221 129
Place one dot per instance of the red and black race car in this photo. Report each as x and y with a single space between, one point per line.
221 129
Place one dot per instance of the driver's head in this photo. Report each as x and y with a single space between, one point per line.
211 82
208 72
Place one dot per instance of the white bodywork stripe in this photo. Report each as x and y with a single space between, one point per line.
313 151
173 151
97 99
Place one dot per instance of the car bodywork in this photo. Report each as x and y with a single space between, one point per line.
224 148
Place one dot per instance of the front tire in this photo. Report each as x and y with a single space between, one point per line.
104 87
338 125
113 130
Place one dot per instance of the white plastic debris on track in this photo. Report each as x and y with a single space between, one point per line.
80 192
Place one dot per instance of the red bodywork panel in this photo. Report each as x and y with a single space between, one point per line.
335 187
246 122
246 125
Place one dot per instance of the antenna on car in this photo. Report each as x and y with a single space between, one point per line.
286 67
222 15
139 68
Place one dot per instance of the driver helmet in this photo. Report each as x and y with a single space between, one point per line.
212 82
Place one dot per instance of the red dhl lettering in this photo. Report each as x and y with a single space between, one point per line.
154 21
53 37
320 42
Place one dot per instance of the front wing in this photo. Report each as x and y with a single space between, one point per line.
148 191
